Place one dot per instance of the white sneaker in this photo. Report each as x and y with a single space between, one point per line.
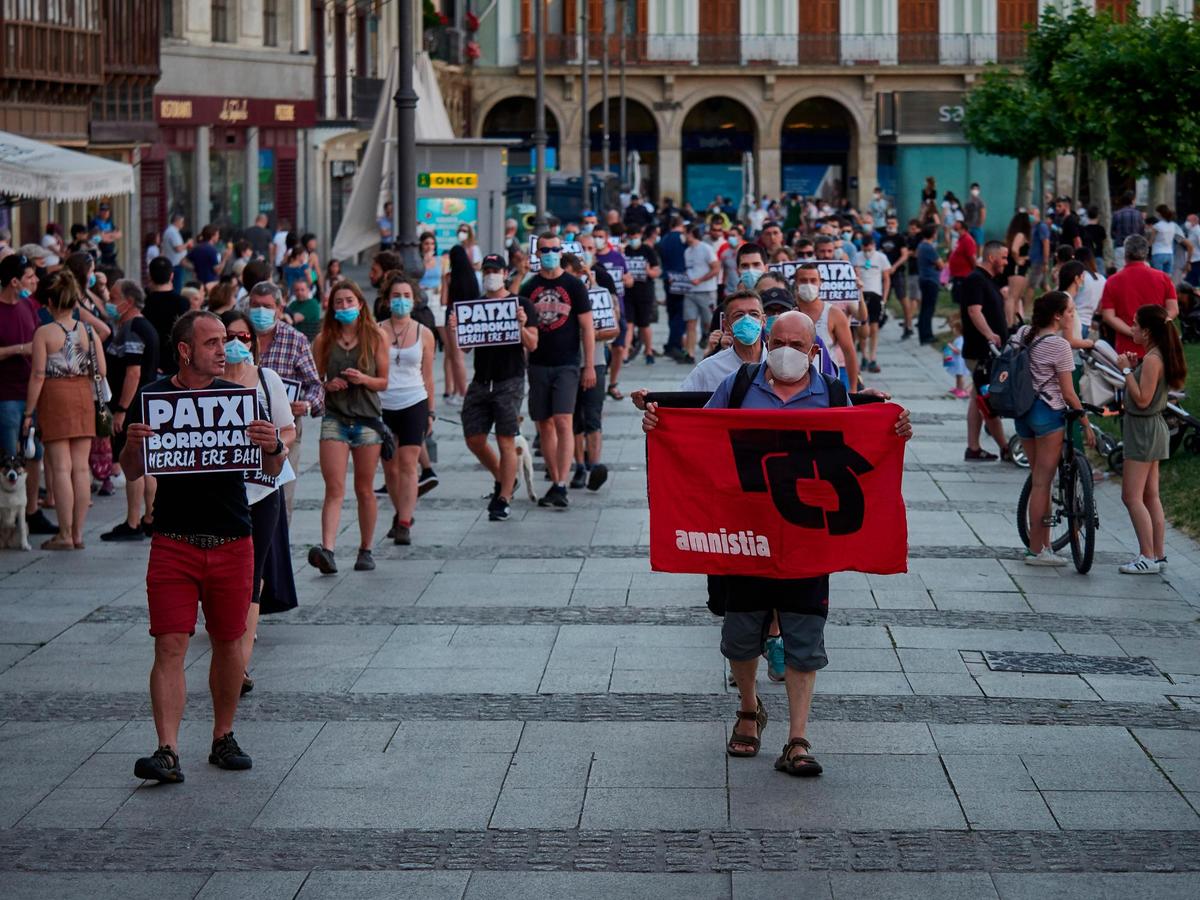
1141 566
1046 558
1162 563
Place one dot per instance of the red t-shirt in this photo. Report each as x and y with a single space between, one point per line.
962 260
1135 286
18 322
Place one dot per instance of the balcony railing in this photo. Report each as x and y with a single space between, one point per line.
63 49
786 50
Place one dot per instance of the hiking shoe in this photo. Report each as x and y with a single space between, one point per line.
39 524
427 482
365 561
124 532
556 498
322 559
1142 565
979 455
401 535
1046 558
579 479
226 754
498 509
775 662
597 476
162 766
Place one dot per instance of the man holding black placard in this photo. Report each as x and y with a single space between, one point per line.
202 555
495 393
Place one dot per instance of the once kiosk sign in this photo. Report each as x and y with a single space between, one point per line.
447 180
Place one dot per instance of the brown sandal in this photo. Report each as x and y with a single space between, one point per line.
759 716
802 764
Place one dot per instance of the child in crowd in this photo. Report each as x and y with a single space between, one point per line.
952 358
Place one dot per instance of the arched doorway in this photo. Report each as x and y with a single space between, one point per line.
717 135
816 146
641 134
514 118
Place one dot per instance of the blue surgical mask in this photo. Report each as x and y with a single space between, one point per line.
588 258
767 325
733 240
634 243
346 316
236 352
550 259
587 227
749 277
747 330
401 306
111 309
261 318
92 280
24 294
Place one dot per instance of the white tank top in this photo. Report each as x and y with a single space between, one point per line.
405 385
822 324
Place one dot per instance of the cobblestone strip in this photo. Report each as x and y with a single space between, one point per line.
681 615
278 849
467 503
39 706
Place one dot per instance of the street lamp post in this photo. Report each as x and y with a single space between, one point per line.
622 8
539 117
604 95
585 131
406 147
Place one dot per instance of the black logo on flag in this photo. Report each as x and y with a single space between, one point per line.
776 461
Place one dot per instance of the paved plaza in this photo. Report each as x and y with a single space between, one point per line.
524 709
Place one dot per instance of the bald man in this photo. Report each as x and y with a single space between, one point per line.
788 380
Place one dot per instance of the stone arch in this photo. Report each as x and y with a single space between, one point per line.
715 134
516 115
819 140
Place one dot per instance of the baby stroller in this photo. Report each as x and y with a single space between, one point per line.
1189 312
1103 385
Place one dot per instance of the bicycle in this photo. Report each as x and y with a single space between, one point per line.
1073 519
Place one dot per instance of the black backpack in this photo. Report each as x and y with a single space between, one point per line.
1011 392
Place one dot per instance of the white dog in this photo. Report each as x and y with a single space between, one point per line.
525 461
14 531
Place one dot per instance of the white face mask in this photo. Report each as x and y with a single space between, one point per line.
808 292
787 364
493 281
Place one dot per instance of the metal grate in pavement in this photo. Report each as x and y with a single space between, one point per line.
1068 663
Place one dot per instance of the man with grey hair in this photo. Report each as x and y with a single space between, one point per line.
1136 285
132 364
285 350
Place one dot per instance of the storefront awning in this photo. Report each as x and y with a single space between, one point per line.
40 171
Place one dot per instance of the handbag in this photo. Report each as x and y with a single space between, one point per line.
387 440
104 416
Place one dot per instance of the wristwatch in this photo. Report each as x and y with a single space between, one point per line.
278 448
1127 371
117 407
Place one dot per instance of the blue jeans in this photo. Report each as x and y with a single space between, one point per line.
1193 275
1041 420
11 414
675 326
1162 261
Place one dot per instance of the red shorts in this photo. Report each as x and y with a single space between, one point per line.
181 578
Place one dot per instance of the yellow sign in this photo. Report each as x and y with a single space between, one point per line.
176 109
285 112
234 111
442 180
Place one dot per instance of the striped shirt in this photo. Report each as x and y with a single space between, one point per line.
1049 356
1126 221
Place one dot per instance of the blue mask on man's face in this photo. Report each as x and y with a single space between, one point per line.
550 259
747 330
767 325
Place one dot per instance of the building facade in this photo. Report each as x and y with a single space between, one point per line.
825 97
233 107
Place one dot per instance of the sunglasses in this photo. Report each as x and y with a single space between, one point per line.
244 338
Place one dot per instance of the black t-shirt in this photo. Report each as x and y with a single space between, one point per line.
134 343
1093 237
891 244
162 309
980 289
642 291
204 503
499 363
912 242
260 241
1070 230
559 303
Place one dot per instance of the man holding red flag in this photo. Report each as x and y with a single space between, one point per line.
788 380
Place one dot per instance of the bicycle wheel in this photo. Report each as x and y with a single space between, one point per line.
1023 511
1081 515
1060 533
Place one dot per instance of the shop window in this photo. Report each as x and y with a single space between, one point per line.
266 183
180 168
227 188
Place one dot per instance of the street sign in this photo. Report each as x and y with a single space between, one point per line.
443 180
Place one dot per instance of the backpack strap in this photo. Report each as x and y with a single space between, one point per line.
837 390
741 384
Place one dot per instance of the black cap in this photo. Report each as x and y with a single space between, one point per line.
494 261
777 296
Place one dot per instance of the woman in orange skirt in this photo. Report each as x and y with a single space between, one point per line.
61 389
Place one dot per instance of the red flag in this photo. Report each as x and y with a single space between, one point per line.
777 493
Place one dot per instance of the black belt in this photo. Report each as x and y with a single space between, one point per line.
203 541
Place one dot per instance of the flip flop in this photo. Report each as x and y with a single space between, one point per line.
614 393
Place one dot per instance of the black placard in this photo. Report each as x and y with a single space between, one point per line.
200 431
487 322
603 314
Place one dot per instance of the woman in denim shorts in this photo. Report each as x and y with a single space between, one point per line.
351 355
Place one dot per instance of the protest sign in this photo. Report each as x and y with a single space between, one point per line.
785 270
535 261
292 388
637 267
839 285
603 315
788 494
486 323
200 431
678 283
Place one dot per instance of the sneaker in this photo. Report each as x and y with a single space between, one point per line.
365 561
123 532
401 534
395 524
322 559
382 489
498 510
775 663
427 482
873 367
162 766
579 479
39 524
1046 558
597 476
1143 565
147 528
960 393
106 488
556 498
649 360
247 684
906 334
979 455
1162 563
226 754
686 358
